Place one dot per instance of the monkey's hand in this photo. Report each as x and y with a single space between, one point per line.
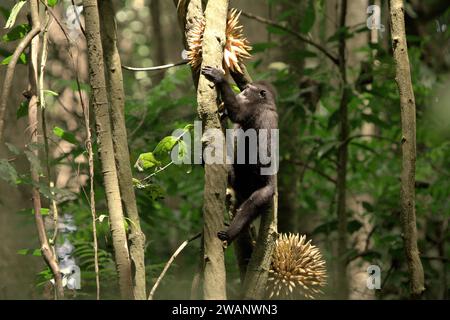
213 74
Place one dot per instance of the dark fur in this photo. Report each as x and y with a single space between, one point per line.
253 108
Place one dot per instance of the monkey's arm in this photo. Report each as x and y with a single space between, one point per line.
235 112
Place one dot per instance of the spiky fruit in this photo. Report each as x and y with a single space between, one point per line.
298 269
236 46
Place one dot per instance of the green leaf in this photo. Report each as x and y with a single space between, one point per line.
334 119
13 15
276 30
165 145
22 59
326 149
67 136
154 191
12 148
34 160
7 172
45 211
146 161
22 111
367 206
341 31
52 3
262 46
308 18
354 226
182 149
18 32
326 227
23 252
34 252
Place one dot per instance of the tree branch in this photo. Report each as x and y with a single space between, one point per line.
294 33
24 43
169 263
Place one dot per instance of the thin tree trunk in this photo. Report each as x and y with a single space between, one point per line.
259 265
408 116
32 96
342 283
214 286
114 84
104 136
158 43
187 12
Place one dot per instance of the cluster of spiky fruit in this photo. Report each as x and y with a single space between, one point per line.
236 46
298 269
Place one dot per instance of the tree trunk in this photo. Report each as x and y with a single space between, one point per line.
114 81
158 43
408 116
105 143
214 285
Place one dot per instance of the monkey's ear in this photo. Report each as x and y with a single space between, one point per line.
262 93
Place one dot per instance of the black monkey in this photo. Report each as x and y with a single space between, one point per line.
253 108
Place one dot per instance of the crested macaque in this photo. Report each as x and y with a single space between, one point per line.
253 108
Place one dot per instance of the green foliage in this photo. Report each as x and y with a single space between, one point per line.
67 136
146 161
7 172
22 111
52 3
309 17
18 32
22 59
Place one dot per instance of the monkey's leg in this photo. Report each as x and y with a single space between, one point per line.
247 212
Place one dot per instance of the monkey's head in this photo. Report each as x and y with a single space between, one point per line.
259 94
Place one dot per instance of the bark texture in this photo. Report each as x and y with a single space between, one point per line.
114 83
408 116
32 95
105 144
214 276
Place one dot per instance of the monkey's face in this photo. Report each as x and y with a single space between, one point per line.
256 95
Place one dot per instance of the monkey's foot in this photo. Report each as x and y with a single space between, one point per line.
223 235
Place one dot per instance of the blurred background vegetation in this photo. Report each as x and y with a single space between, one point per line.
157 103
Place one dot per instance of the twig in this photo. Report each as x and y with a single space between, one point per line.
444 259
158 171
294 33
140 124
307 166
156 68
78 19
92 194
24 43
376 136
168 264
47 252
44 56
